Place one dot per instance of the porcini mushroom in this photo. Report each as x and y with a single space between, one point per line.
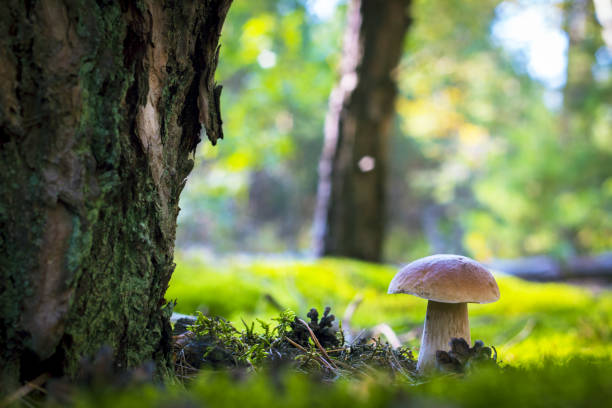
449 283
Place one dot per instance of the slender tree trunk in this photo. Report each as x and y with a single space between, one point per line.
101 106
350 214
581 31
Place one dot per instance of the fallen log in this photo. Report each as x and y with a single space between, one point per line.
546 268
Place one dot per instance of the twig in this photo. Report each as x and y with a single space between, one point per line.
362 333
411 334
182 366
273 302
348 315
523 334
351 308
322 360
24 400
346 366
25 389
400 368
385 329
337 350
296 344
314 338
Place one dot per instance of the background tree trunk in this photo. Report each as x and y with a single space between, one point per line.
101 106
583 32
350 214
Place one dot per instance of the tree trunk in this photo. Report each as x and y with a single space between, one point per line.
350 214
101 105
580 27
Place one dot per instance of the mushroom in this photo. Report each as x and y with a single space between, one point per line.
449 283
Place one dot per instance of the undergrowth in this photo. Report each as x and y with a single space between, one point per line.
316 346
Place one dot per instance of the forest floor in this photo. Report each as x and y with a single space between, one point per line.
532 322
553 341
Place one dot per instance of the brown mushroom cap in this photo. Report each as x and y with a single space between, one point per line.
447 279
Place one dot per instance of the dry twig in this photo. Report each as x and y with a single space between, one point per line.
24 390
316 341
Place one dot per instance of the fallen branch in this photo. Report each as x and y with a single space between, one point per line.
546 268
24 390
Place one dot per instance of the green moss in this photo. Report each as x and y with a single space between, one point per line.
577 383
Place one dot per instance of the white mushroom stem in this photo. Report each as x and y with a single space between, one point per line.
443 321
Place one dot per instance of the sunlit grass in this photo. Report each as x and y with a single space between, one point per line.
531 321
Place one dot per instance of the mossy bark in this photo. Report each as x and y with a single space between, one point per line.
351 200
102 103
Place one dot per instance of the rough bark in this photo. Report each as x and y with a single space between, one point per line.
101 105
350 213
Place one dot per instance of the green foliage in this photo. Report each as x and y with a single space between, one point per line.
277 71
517 176
474 138
220 344
221 332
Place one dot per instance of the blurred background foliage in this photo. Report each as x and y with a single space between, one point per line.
492 156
